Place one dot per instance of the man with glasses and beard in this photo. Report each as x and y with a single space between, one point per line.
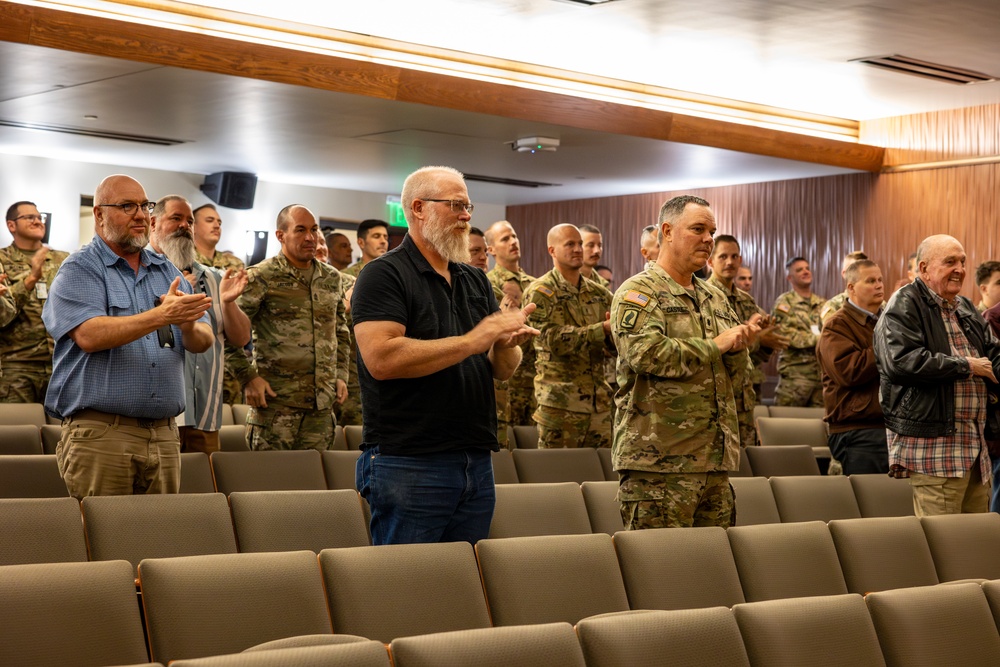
121 318
431 339
171 235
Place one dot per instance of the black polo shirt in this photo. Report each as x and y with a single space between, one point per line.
452 409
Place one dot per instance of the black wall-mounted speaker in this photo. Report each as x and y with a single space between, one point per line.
232 189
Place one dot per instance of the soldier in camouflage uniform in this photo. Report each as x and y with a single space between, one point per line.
797 313
593 249
502 243
207 231
574 399
25 346
682 358
836 302
649 246
300 339
725 263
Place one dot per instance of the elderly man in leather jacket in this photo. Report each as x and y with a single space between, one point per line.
936 361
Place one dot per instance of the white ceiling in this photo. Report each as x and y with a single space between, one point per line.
789 54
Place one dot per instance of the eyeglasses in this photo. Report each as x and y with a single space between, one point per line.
130 207
30 218
456 204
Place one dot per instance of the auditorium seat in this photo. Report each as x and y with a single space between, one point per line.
227 415
58 614
233 438
782 460
668 568
603 507
339 439
551 578
298 520
777 431
882 553
20 439
504 471
689 637
992 591
398 590
295 470
558 465
526 436
539 509
795 412
786 560
809 632
814 498
198 606
547 645
157 526
880 495
964 546
364 653
240 412
339 467
754 501
744 470
41 530
935 625
604 453
352 437
15 414
196 473
51 434
31 476
761 411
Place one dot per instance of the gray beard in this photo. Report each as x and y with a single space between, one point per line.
452 248
179 249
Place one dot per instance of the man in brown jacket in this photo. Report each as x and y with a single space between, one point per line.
850 376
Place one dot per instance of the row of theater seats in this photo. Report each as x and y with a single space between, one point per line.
793 590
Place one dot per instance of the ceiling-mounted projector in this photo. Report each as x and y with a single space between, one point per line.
535 144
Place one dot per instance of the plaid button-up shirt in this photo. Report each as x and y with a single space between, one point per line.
951 455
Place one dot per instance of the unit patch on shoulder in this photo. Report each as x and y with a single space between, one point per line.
544 290
784 307
638 298
629 318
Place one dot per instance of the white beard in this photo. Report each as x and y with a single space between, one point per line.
179 249
451 246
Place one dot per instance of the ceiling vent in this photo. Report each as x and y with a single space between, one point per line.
509 181
98 134
927 70
587 3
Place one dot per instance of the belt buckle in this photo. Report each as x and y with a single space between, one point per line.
146 423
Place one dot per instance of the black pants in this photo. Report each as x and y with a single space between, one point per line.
861 451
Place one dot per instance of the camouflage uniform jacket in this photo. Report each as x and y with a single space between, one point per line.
676 401
354 269
600 280
796 317
300 337
23 336
832 305
524 376
569 351
221 261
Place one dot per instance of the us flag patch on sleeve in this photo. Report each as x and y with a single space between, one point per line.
637 298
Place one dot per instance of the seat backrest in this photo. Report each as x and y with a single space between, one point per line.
365 653
881 495
935 625
31 476
157 526
754 501
526 436
240 412
339 439
666 568
964 546
227 415
352 436
992 591
399 590
539 509
199 606
814 498
300 470
551 578
196 473
20 439
795 412
786 560
604 453
882 553
558 465
32 414
761 411
57 614
339 468
41 530
51 434
233 438
744 470
689 637
603 508
785 460
504 471
297 520
781 431
793 633
523 645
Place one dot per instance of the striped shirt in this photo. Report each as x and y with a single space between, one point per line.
954 454
203 372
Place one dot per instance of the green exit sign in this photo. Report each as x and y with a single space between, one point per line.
394 212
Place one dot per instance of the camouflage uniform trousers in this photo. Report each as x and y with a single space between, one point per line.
232 390
348 413
676 500
283 427
522 405
24 381
562 428
799 392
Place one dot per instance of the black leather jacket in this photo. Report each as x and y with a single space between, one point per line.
916 367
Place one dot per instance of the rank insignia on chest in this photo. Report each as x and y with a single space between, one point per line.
637 298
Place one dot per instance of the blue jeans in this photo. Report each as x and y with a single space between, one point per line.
443 497
995 495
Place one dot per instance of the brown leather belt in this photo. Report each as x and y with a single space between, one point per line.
107 418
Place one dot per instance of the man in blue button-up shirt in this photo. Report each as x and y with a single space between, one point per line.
121 318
